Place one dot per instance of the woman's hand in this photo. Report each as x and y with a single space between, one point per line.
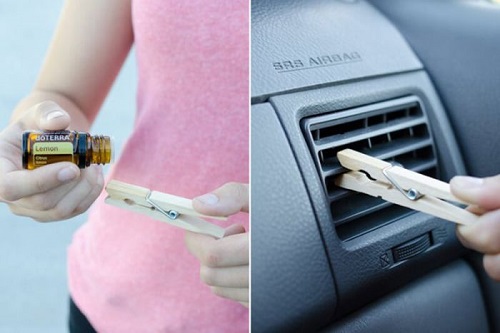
224 262
484 236
53 192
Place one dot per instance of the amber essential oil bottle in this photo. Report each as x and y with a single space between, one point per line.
80 148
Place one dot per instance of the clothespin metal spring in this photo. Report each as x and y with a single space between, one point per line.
171 214
412 194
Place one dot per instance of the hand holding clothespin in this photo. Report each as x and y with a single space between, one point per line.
403 187
160 206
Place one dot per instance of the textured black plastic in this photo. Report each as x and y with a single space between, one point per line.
360 269
292 289
491 291
448 300
356 213
411 248
292 285
298 44
459 45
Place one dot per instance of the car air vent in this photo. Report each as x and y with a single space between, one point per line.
395 131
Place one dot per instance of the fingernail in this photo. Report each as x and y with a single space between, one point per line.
467 183
67 174
54 114
208 199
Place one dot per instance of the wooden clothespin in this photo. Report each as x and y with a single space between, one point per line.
403 187
160 206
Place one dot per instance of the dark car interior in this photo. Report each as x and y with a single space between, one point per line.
411 82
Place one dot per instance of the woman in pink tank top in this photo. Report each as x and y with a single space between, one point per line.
129 273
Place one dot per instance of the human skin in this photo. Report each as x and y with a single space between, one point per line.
90 44
68 93
483 236
224 262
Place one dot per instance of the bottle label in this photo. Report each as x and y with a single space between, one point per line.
48 152
52 148
56 136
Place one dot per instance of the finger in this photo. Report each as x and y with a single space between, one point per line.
97 188
235 294
482 192
46 200
74 202
491 263
232 277
465 242
82 196
476 210
46 115
18 184
484 235
43 116
228 199
234 230
224 252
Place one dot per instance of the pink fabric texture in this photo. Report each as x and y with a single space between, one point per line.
128 273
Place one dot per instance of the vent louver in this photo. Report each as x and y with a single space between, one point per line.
395 131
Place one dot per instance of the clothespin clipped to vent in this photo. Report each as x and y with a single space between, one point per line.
160 206
400 186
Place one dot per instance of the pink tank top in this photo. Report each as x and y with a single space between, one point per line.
128 273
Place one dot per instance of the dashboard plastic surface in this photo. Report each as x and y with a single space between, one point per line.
303 276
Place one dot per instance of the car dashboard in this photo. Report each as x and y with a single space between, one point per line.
409 82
